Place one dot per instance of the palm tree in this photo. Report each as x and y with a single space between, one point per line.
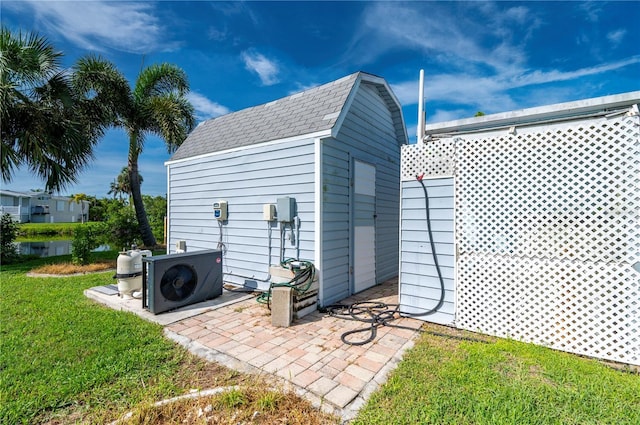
47 124
80 198
156 104
114 190
122 185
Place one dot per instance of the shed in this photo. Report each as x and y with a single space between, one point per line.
333 150
536 226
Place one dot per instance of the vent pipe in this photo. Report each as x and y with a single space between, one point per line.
421 114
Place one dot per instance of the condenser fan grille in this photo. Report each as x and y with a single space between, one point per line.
179 282
176 280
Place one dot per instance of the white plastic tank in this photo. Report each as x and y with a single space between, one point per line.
129 272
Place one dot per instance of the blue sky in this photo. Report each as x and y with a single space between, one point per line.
477 56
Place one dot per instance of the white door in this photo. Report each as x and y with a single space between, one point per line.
364 231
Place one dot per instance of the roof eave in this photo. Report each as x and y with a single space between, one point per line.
568 110
317 134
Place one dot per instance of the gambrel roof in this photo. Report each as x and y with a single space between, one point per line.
316 110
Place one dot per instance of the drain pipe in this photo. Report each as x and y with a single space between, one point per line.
421 114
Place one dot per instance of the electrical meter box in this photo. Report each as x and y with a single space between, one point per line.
269 212
286 209
220 210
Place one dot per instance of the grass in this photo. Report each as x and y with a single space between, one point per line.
70 268
444 380
31 230
248 404
65 359
45 238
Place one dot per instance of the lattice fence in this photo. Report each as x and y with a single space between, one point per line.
434 159
548 233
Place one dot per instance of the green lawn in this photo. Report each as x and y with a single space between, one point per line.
61 353
452 381
47 229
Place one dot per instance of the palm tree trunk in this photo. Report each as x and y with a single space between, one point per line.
148 239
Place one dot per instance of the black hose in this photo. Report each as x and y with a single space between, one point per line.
382 314
374 313
433 254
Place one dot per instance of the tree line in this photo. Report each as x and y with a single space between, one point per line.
52 118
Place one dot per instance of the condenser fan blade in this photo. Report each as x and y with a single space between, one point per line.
178 283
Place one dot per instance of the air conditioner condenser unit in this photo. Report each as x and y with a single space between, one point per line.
176 280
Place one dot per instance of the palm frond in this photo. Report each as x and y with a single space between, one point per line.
104 95
27 59
159 80
172 118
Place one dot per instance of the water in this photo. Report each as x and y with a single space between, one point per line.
50 248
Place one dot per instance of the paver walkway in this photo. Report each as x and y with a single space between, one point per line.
309 354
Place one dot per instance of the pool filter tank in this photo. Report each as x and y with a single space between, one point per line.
129 272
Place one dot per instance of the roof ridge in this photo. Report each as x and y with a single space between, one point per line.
293 95
311 111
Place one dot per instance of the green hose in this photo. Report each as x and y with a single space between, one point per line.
300 283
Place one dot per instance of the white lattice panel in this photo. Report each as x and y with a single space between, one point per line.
572 306
548 233
566 193
433 159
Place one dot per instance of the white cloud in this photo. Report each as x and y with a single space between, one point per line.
455 88
591 10
476 55
476 61
489 94
457 40
266 69
407 92
449 115
96 25
538 77
615 37
206 108
216 34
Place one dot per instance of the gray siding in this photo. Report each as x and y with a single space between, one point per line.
367 134
419 283
247 180
335 222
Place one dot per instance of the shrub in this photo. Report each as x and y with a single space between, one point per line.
8 234
123 229
86 238
156 208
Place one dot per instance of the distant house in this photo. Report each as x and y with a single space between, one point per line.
333 150
42 207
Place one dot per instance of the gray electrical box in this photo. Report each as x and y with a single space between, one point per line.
286 209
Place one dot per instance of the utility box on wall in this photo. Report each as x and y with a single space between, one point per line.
545 224
286 209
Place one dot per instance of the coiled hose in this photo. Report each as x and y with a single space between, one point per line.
304 274
381 314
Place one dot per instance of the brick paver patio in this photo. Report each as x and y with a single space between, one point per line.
309 354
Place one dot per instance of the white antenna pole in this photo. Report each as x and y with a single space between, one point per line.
421 117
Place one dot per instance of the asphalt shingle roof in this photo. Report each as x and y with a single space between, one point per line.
302 113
